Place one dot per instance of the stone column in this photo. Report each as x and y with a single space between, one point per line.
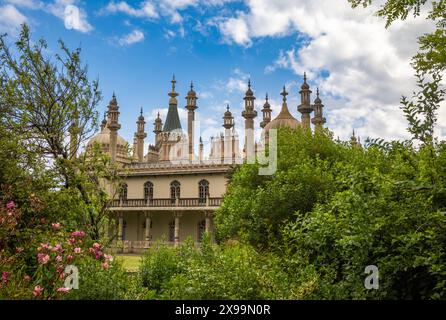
177 229
208 224
148 223
120 226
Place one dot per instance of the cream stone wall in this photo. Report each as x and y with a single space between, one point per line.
189 185
134 229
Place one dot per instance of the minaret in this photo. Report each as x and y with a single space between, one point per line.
228 124
191 99
318 119
266 111
158 128
113 125
354 141
200 153
140 136
249 114
104 122
305 104
172 120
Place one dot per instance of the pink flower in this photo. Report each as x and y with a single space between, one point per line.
98 255
108 257
96 245
105 265
5 276
43 258
57 248
63 290
71 241
55 226
59 259
69 258
42 220
77 250
19 249
44 245
79 234
10 205
37 291
26 277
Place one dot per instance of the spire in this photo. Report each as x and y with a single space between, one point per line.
266 113
104 122
305 107
318 119
173 94
172 120
284 94
228 119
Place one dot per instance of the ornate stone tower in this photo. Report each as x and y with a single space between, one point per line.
172 120
266 111
157 129
200 152
249 114
228 139
140 135
191 99
113 125
318 119
305 104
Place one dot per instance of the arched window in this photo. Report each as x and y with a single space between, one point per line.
175 189
201 230
123 191
148 190
203 190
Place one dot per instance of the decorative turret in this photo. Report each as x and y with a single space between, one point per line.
228 119
200 153
104 122
318 119
266 111
354 142
191 99
113 125
305 105
172 120
158 128
140 135
249 114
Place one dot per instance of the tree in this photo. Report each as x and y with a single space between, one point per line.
49 104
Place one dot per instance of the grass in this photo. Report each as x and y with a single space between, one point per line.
130 262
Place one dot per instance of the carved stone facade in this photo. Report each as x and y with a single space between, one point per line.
171 191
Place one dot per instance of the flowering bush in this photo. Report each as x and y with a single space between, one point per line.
36 268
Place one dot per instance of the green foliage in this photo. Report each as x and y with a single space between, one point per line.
229 271
421 111
256 207
98 284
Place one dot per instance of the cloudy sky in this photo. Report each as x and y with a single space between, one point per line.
134 47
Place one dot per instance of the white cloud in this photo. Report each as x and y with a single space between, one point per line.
73 17
361 67
133 37
10 19
146 9
236 29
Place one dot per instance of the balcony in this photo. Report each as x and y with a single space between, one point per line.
166 203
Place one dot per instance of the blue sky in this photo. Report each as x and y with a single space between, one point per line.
134 47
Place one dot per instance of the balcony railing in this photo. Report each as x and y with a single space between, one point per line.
167 202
